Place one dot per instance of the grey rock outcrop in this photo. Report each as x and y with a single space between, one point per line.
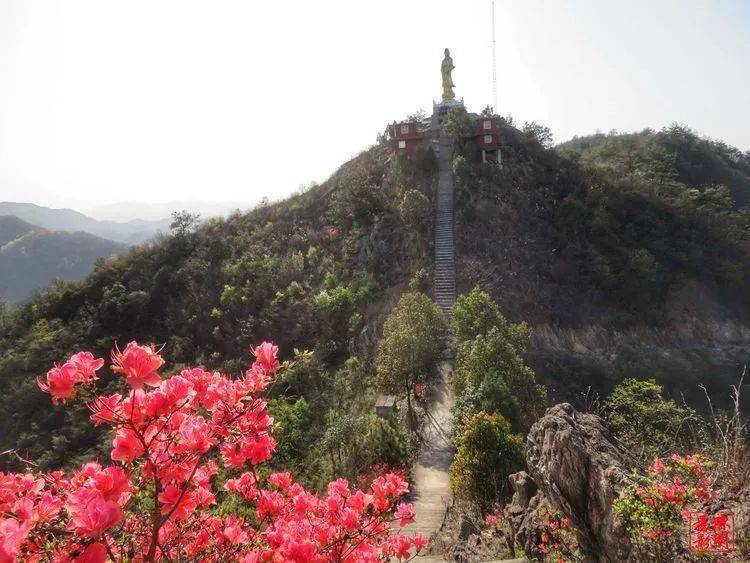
522 513
579 469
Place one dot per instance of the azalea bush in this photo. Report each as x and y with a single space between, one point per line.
655 510
182 446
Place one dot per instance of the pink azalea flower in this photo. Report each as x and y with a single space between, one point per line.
61 381
657 466
126 446
105 409
86 365
94 553
420 542
404 514
266 355
92 514
180 504
282 480
139 365
12 534
170 437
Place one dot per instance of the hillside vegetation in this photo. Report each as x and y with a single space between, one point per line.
316 272
600 237
32 257
626 253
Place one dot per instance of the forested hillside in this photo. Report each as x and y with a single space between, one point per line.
32 257
628 254
609 247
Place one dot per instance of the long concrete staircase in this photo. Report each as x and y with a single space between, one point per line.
431 491
445 268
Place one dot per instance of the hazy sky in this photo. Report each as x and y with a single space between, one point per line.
102 101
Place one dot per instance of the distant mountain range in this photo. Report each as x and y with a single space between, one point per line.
31 257
39 244
135 231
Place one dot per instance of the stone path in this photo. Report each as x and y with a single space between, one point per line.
431 490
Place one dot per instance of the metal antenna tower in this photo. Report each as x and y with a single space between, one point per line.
494 64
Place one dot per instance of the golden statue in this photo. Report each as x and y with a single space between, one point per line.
446 68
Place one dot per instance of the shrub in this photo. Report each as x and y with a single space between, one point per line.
645 421
491 395
415 208
487 453
554 539
420 281
171 437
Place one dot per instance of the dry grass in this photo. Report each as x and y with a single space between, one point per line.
729 430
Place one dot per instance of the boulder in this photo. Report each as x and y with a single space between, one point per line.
579 469
522 513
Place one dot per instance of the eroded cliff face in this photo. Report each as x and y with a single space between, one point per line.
574 466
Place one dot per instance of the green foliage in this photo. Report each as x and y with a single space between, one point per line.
490 373
646 422
343 298
412 342
654 509
353 443
415 209
458 124
539 133
491 368
294 421
488 452
475 313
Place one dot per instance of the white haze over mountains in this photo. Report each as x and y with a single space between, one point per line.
129 210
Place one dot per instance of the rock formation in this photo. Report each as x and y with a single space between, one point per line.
576 467
522 514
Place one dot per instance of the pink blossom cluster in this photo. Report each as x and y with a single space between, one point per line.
495 517
555 538
158 500
683 481
660 507
365 479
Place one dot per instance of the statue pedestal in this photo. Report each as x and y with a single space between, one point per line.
440 110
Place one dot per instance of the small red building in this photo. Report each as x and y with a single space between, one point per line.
405 136
487 134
